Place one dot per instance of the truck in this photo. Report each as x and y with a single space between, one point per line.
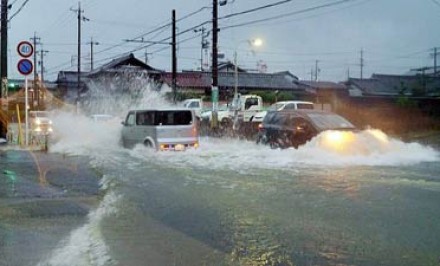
237 114
194 104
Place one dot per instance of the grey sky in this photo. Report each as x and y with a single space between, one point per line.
396 35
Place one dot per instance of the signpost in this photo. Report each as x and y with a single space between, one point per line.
25 67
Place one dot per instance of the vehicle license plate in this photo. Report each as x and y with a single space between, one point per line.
179 147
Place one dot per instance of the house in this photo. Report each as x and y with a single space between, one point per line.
68 88
324 92
120 75
380 85
200 82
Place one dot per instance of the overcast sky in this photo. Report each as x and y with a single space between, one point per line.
395 35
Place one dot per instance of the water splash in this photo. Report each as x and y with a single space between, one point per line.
369 147
85 245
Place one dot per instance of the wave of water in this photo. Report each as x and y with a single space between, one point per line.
85 245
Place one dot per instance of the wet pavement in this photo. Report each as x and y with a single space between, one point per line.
43 197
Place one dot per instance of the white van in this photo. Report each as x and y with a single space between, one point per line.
161 129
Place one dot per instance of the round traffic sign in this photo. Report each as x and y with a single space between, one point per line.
25 66
25 49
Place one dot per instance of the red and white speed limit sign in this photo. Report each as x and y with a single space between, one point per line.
25 49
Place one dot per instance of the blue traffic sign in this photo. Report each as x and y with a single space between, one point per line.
25 66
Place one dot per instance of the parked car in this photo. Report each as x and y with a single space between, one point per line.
283 105
101 117
161 129
292 128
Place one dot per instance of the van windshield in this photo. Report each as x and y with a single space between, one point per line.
166 118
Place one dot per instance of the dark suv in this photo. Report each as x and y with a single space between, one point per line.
283 129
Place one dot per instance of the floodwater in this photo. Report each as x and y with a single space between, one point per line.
232 202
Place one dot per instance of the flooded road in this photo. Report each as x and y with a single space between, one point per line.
232 202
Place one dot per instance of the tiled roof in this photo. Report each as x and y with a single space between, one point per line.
70 76
322 85
227 79
394 85
121 62
189 79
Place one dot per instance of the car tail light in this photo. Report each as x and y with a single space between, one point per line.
260 126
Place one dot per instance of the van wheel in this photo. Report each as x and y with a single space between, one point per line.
148 144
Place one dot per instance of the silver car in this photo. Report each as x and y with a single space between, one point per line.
161 129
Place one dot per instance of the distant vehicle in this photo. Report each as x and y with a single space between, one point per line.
244 107
101 117
195 104
161 129
283 129
222 109
283 105
40 123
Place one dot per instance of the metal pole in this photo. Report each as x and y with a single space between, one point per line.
214 87
174 58
26 107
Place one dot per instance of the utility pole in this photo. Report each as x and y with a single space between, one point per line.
214 87
91 52
42 53
362 63
4 49
80 18
435 54
36 41
316 70
146 56
36 94
204 44
174 57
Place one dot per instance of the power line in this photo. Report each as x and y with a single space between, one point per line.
313 15
255 9
306 10
436 2
19 9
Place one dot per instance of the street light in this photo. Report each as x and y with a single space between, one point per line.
253 43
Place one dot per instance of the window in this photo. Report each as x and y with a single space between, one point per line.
165 118
305 106
130 119
145 118
290 106
194 105
249 102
